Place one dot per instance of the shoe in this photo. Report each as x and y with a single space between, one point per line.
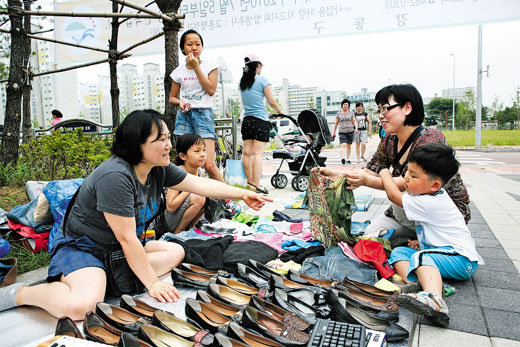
67 327
120 318
258 189
251 339
225 341
306 280
136 306
233 207
240 287
251 276
364 159
412 287
198 312
190 279
174 325
228 295
279 313
129 340
160 338
342 311
276 281
201 270
97 330
266 325
349 162
296 306
365 288
10 277
389 316
219 306
374 301
343 161
261 268
424 304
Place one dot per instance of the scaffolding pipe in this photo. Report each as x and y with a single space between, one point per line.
58 41
145 10
93 14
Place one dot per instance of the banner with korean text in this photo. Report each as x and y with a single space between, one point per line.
235 22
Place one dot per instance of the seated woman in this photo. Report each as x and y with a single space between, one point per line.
110 211
184 209
401 115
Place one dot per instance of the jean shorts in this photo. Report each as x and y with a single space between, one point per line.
197 121
361 136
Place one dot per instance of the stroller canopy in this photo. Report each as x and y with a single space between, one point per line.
311 121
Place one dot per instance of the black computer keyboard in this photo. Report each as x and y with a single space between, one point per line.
329 333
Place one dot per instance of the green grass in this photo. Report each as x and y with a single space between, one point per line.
27 261
466 138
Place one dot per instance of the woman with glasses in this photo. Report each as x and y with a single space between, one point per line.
401 115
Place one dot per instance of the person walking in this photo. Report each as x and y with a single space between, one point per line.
361 137
255 126
347 126
193 85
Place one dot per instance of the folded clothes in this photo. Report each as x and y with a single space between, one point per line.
293 245
283 267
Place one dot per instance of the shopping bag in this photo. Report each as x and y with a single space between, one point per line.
234 173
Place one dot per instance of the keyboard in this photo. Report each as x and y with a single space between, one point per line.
329 333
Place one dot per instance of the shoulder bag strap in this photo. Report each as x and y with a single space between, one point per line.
407 144
67 212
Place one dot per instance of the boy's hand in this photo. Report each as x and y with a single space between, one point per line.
414 244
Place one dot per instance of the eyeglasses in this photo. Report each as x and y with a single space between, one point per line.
383 110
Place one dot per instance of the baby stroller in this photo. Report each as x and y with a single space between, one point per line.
315 134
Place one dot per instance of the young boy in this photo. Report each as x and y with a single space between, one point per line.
444 247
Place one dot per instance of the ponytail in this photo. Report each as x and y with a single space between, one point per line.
248 76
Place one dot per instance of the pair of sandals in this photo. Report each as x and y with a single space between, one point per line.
425 303
257 188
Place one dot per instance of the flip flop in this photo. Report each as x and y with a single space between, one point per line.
424 304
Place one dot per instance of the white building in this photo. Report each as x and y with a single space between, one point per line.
90 101
459 93
293 99
126 90
329 103
53 91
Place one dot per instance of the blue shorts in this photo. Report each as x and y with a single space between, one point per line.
69 254
449 263
197 121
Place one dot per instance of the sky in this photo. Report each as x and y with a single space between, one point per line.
351 62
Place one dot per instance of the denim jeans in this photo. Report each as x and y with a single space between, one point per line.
198 121
336 265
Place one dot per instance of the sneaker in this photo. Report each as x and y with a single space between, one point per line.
349 162
343 161
233 207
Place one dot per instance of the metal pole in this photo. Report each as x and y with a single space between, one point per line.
478 123
234 134
453 102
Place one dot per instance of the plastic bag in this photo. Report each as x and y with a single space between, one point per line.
235 174
59 194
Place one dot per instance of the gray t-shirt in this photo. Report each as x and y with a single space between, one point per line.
345 124
114 188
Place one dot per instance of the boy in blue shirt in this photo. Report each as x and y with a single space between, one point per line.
444 247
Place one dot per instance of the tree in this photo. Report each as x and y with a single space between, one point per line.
466 111
507 115
13 115
438 107
171 49
114 88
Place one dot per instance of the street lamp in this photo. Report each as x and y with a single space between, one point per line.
453 96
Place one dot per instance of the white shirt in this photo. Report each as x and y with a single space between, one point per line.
439 223
191 89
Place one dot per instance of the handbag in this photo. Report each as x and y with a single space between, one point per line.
120 277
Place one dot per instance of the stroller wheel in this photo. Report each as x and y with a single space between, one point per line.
279 181
300 183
